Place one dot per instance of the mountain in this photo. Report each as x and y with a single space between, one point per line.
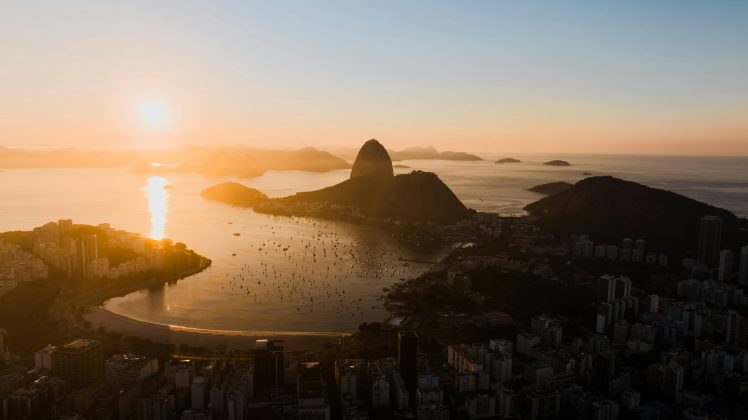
557 163
372 160
508 160
551 188
372 191
234 193
609 209
413 153
212 161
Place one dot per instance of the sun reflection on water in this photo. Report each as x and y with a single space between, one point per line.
158 197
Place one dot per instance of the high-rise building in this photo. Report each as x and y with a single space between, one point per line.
743 274
407 348
64 226
4 352
350 375
710 240
269 367
88 250
80 361
724 275
311 392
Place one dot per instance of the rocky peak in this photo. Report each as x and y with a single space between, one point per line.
372 159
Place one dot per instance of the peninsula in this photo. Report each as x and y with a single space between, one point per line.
75 267
373 192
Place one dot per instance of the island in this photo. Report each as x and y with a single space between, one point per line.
557 163
400 166
70 268
508 160
234 193
551 188
415 153
609 209
374 193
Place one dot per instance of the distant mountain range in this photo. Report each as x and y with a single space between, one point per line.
414 153
609 209
211 161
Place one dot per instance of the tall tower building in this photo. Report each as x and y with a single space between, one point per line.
743 274
725 266
407 359
80 361
64 226
710 240
269 367
88 250
4 352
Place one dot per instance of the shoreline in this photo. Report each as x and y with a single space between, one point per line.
175 334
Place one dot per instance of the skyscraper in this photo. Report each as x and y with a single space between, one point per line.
710 240
269 367
4 353
743 275
407 346
725 266
88 250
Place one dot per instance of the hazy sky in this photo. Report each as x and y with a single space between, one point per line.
482 76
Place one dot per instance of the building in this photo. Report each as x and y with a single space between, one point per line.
480 405
710 240
543 404
407 352
80 361
269 367
155 407
88 251
605 410
312 403
724 275
4 352
743 261
350 376
125 370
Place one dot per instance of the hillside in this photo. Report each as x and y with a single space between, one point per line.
610 209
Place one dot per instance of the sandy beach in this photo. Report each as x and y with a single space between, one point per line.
173 334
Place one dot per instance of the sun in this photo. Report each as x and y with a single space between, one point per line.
153 114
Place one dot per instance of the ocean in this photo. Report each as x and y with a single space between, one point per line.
285 274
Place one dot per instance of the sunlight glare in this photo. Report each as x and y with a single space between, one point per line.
154 114
157 205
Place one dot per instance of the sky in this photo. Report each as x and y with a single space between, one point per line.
635 77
